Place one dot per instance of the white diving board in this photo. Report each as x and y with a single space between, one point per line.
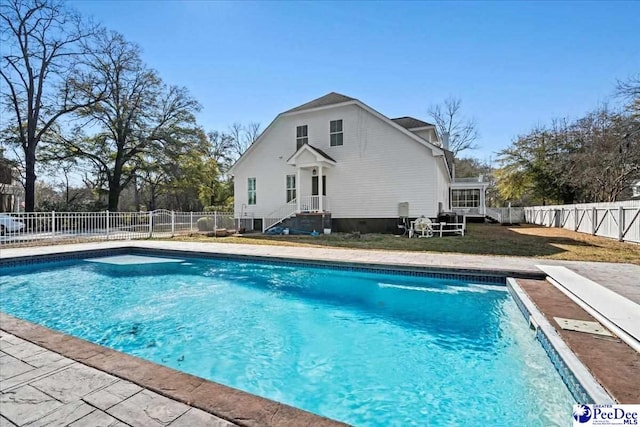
609 305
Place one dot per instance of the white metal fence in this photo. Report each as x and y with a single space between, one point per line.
617 220
21 229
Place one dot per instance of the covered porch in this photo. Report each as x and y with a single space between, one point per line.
312 166
306 187
468 196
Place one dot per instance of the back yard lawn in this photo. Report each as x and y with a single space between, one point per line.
481 239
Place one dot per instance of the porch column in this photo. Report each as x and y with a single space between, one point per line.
320 188
483 202
298 190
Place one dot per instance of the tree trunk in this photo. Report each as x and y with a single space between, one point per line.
152 198
30 179
114 192
136 193
114 198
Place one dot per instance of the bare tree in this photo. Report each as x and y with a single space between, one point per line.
243 136
462 132
252 132
223 149
609 158
236 131
42 42
630 90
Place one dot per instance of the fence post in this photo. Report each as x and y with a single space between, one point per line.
191 222
150 224
173 223
620 223
594 220
53 224
107 219
576 225
215 223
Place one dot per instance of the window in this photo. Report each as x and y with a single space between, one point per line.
291 187
335 132
465 198
252 191
302 136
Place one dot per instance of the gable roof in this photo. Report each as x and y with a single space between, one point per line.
316 151
335 98
411 122
322 153
323 101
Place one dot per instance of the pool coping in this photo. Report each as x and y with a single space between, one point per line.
609 359
580 382
444 272
613 310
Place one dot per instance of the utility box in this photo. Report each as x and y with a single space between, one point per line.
403 209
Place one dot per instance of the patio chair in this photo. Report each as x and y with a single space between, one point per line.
424 226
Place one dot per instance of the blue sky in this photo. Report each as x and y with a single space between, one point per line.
513 64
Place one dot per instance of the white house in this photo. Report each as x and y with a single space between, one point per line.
371 166
635 191
10 189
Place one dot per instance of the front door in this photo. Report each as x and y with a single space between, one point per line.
314 185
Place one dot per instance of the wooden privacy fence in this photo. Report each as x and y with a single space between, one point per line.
617 220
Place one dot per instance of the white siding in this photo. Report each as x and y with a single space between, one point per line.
442 179
377 167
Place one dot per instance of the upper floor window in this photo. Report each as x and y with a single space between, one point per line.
302 136
335 132
251 196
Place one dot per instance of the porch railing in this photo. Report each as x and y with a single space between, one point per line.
42 228
312 203
506 215
279 215
478 211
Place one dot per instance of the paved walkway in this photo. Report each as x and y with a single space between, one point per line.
621 278
41 388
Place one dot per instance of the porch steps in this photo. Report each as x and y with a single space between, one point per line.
276 217
290 209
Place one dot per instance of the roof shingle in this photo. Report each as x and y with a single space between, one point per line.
411 123
328 99
322 153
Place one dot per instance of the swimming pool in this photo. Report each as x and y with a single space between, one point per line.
366 348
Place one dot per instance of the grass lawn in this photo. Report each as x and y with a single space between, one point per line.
483 239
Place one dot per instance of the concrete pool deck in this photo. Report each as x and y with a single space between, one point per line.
620 278
43 388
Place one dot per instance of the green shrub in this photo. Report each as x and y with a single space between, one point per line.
205 224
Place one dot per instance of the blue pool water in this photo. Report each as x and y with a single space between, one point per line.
368 349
